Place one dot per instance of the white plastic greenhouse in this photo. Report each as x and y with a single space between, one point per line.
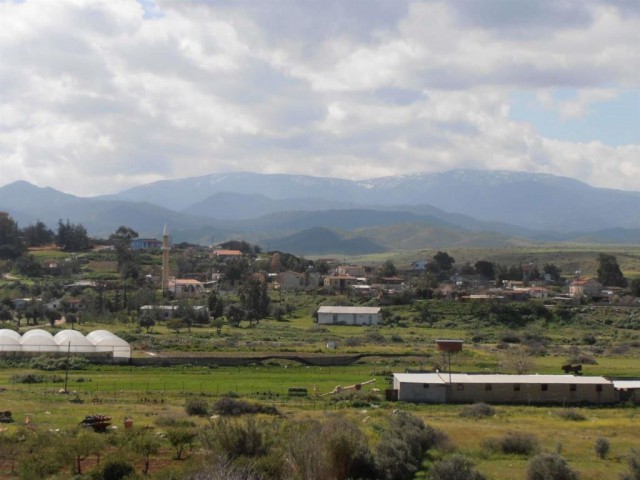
9 341
105 341
65 341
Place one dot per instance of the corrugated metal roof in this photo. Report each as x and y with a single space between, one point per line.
443 378
351 310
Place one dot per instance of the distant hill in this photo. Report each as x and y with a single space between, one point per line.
525 200
27 203
456 208
322 241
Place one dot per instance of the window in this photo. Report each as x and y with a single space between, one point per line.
544 387
425 385
516 387
488 387
573 387
598 388
460 387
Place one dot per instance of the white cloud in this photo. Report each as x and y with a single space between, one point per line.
97 96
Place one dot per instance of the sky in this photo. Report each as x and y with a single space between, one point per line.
97 96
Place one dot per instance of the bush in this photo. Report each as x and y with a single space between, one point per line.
634 465
115 470
169 421
516 443
478 410
602 447
230 406
402 446
455 467
550 466
571 414
197 406
582 359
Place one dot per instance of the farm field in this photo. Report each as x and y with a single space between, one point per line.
147 394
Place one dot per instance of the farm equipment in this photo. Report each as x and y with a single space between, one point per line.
99 423
355 386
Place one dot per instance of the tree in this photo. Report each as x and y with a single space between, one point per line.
609 272
11 246
235 314
486 269
147 319
388 269
79 446
254 297
29 266
215 304
52 315
455 467
552 270
444 261
180 438
519 359
72 237
72 319
37 234
125 255
635 287
550 466
144 445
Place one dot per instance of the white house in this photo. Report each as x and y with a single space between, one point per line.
336 315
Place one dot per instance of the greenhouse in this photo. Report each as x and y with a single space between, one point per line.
65 341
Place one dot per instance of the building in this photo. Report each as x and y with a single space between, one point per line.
186 288
298 281
442 387
226 255
145 244
339 282
337 315
351 270
588 287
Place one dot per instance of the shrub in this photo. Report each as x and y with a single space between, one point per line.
230 406
197 406
27 378
634 465
478 410
115 470
550 466
455 467
601 447
402 446
516 443
169 421
582 359
236 438
571 414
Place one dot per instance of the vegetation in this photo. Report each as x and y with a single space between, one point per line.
259 429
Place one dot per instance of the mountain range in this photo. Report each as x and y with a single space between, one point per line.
315 215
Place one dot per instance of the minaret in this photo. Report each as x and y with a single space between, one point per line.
165 258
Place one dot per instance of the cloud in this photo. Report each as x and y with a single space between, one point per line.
97 96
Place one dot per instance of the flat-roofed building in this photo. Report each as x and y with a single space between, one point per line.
441 387
337 315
